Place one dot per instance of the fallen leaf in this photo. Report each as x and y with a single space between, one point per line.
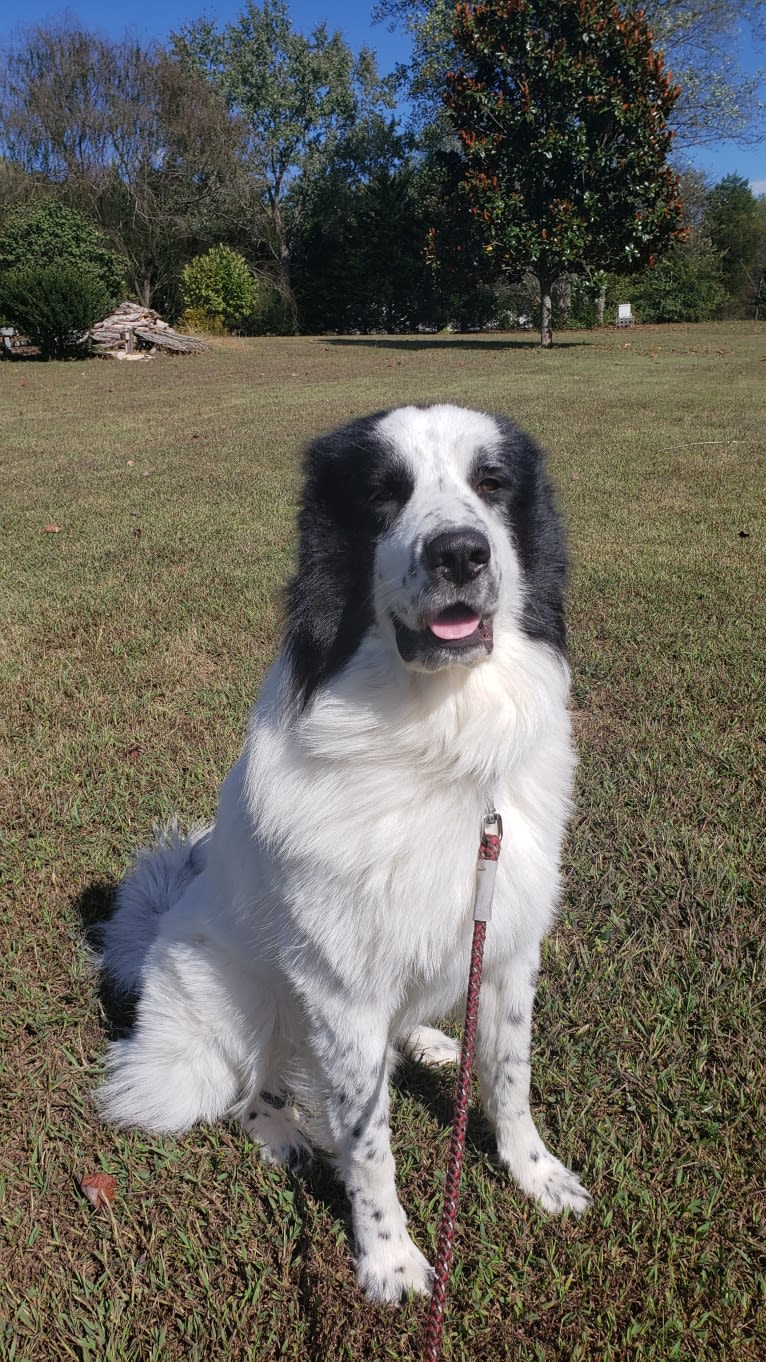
51 529
99 1188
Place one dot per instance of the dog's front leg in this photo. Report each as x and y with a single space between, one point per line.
353 1060
503 1061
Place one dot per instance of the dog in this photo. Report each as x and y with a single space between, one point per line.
281 956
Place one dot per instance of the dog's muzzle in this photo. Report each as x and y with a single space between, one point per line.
456 613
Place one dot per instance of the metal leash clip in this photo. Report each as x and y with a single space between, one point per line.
486 868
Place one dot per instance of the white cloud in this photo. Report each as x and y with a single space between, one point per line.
758 187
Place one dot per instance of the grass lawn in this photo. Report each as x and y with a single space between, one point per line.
132 639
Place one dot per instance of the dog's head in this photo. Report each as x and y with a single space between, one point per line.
433 526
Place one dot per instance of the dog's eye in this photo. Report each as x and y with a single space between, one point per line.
384 505
394 493
487 487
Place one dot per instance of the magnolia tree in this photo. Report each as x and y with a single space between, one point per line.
704 41
561 107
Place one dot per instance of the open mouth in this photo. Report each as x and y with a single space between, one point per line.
457 633
456 626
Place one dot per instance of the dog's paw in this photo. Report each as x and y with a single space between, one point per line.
277 1132
430 1046
393 1269
551 1184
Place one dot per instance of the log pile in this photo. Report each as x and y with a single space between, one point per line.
132 327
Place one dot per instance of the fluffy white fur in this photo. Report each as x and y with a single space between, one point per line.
326 916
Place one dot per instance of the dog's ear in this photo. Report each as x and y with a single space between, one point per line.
330 598
537 532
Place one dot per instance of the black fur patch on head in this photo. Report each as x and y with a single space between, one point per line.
354 488
526 499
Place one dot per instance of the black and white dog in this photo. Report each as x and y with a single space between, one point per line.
325 918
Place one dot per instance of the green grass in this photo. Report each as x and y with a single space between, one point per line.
131 644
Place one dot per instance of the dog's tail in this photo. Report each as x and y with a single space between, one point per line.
156 880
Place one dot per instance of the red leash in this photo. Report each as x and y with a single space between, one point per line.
489 850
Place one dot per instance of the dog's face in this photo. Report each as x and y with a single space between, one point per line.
444 559
432 525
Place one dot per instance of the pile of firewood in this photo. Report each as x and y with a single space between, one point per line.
132 327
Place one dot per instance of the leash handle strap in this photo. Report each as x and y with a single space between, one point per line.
486 870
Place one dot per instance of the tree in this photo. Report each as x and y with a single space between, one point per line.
357 256
129 135
698 39
562 109
46 232
469 282
298 97
15 187
735 223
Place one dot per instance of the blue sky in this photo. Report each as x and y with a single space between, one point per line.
157 19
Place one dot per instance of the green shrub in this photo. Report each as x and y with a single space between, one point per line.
54 305
199 322
219 285
47 232
684 286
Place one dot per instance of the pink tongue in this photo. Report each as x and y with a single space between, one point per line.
457 622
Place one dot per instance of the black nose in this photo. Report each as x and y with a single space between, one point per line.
458 555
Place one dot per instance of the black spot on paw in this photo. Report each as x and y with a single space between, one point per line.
273 1100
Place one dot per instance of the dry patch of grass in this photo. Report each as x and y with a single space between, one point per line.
131 643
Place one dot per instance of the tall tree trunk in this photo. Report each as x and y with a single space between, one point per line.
284 260
600 305
546 313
